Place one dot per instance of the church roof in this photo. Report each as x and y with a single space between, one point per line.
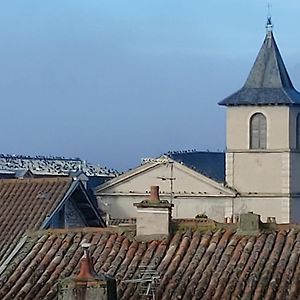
210 164
268 82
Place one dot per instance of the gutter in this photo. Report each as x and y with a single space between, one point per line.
187 195
12 254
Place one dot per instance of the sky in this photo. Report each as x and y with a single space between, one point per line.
115 81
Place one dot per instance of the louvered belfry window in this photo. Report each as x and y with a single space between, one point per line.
258 131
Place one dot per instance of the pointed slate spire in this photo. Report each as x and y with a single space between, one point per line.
268 82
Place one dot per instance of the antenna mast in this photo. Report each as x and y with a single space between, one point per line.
171 179
148 280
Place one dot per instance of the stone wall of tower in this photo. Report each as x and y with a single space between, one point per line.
295 153
267 206
258 171
238 118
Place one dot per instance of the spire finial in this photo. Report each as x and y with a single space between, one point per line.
269 24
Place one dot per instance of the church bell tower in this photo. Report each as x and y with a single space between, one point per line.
263 138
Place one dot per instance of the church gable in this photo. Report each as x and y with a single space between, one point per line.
185 181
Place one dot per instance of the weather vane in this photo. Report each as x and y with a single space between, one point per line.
269 25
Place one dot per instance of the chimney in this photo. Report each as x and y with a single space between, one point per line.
249 224
153 220
154 194
87 285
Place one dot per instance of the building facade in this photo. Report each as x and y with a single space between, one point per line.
189 191
262 171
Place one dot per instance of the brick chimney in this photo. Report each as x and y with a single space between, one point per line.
153 221
87 285
154 194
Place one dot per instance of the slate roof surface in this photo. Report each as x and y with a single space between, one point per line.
268 82
210 164
192 265
25 204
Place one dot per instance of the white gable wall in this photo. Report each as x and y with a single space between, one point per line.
193 193
186 180
121 206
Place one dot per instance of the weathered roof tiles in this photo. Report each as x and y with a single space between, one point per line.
192 264
28 204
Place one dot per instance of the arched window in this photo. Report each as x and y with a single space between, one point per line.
258 131
298 132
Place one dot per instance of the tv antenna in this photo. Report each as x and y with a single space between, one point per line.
171 179
148 281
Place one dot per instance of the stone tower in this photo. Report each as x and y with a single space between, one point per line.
263 138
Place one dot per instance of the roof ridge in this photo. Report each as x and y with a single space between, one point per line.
41 179
33 232
128 174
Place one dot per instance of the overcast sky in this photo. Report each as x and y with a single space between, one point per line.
114 81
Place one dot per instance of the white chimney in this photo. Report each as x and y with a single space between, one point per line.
153 219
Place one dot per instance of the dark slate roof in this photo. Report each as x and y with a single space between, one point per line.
210 164
217 264
268 82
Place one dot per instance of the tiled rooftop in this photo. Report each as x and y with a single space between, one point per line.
193 264
44 165
25 204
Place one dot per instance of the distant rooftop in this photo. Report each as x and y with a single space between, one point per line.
52 165
210 164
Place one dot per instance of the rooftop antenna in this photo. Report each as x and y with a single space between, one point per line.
269 24
148 280
171 179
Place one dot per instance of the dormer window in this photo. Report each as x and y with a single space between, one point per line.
258 131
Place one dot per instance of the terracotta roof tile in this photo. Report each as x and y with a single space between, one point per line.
191 264
25 204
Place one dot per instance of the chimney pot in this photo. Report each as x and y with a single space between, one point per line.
154 194
87 285
86 267
271 220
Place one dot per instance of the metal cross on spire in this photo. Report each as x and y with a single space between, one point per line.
269 24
